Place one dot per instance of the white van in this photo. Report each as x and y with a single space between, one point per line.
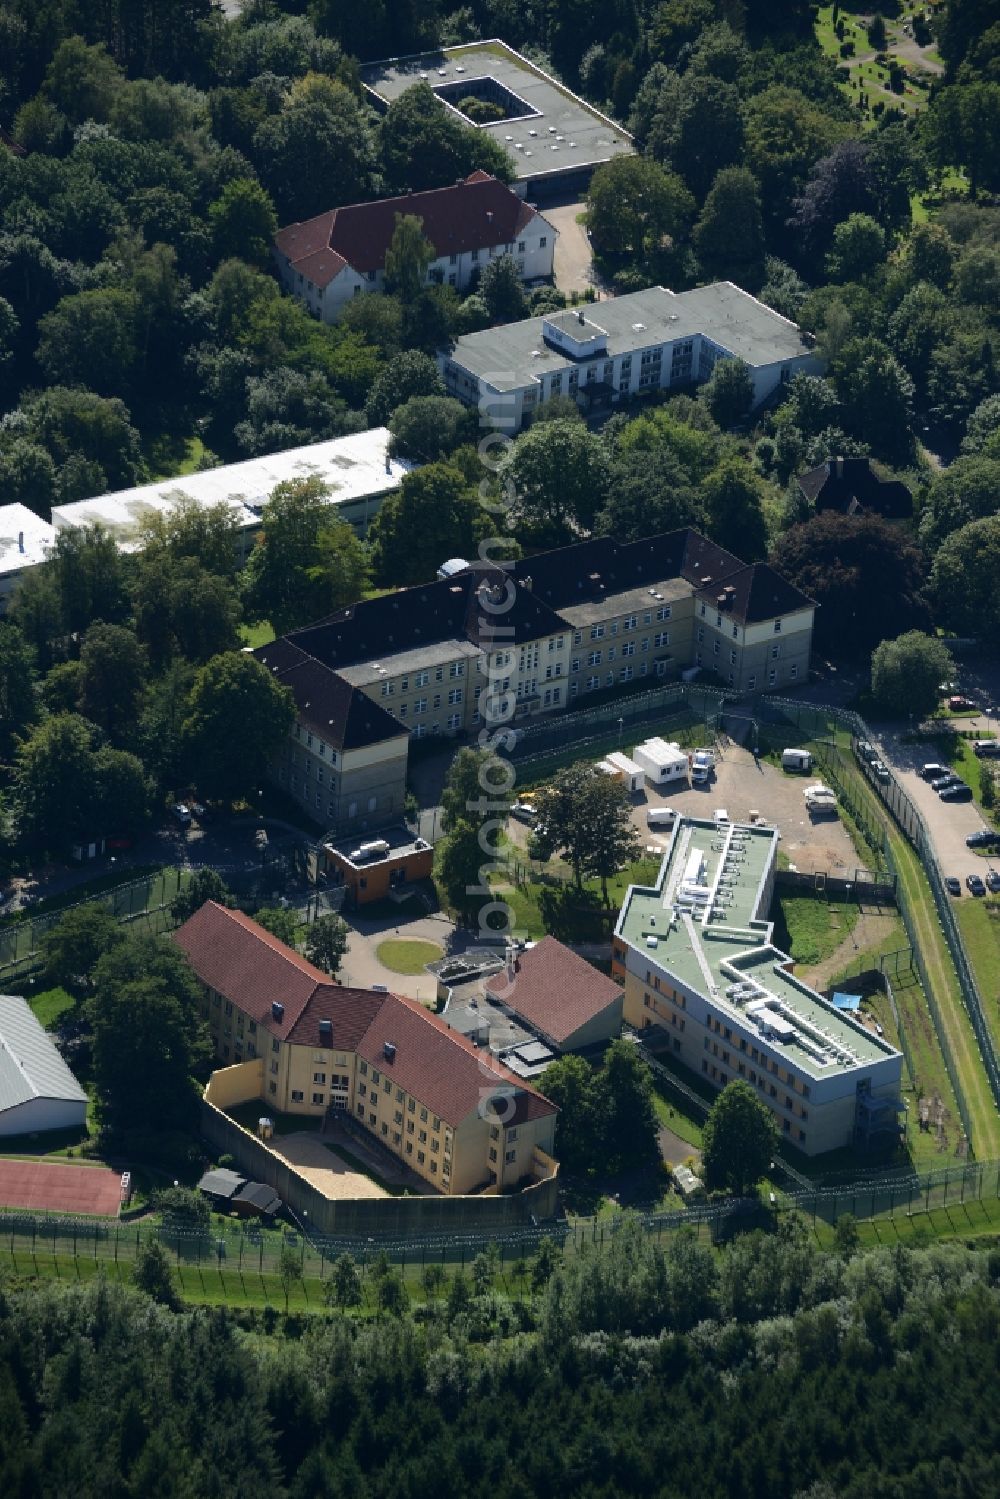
660 817
722 818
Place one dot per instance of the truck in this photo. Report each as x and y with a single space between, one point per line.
662 763
796 759
702 767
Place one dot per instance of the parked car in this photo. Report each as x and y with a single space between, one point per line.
992 881
952 886
959 704
182 813
986 749
975 885
524 812
932 771
959 793
879 770
948 779
983 838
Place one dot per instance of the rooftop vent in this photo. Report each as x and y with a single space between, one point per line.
389 1051
277 1010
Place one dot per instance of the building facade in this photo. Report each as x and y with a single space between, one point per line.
328 261
615 350
703 982
448 1112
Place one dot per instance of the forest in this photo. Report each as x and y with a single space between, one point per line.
765 1368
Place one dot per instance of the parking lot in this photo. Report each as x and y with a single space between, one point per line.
949 823
742 786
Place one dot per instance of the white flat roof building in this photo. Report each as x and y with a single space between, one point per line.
25 540
357 468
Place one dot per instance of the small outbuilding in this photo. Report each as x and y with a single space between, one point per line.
796 759
620 768
38 1092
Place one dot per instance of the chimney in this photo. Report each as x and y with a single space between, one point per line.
20 542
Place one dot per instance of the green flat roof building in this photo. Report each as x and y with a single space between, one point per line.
703 979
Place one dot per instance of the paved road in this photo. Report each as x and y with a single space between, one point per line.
574 270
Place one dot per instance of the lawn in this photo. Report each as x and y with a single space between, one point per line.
871 75
404 956
523 899
669 1114
811 929
50 1005
981 939
169 456
257 635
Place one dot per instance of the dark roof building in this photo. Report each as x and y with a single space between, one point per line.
850 485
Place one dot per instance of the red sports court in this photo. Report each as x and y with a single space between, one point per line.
60 1189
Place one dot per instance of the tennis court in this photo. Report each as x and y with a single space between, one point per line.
60 1189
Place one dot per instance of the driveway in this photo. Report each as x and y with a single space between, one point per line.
361 967
949 823
573 259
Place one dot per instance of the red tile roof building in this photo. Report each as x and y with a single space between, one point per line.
447 1110
560 996
340 254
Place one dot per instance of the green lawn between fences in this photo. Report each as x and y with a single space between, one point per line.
811 929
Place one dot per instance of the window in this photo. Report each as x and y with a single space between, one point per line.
628 649
387 689
420 706
661 638
319 1098
421 679
421 1156
274 1068
593 683
319 1077
631 622
594 659
574 665
297 1095
521 245
455 721
777 627
626 674
772 677
732 658
775 652
543 241
457 669
793 672
510 1155
751 684
597 632
664 612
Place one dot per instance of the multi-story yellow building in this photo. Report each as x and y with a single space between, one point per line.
703 981
447 1110
491 645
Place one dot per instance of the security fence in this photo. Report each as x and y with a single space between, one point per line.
836 734
249 1249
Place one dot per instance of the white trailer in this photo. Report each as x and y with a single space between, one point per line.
662 763
796 759
622 769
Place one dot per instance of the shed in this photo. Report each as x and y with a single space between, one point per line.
38 1092
796 759
622 769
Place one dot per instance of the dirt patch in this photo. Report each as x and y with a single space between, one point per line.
324 1168
870 929
673 1149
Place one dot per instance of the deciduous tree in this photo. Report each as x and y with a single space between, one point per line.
237 718
738 1141
906 673
326 942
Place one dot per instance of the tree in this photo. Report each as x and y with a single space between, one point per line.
969 489
423 145
607 839
148 1037
202 885
237 718
343 566
152 1273
982 429
483 1273
326 942
738 1141
182 1210
90 577
559 476
846 1238
17 687
407 257
786 135
343 1289
91 338
82 81
501 289
728 392
430 428
840 184
571 1084
733 497
208 534
112 676
28 476
866 576
858 247
277 583
473 790
906 673
54 786
78 425
393 1299
243 222
634 206
625 1101
317 150
876 396
649 493
964 578
72 947
460 858
703 134
433 515
289 1269
280 921
408 374
729 234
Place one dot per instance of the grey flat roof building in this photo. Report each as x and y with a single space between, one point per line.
552 135
37 1089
